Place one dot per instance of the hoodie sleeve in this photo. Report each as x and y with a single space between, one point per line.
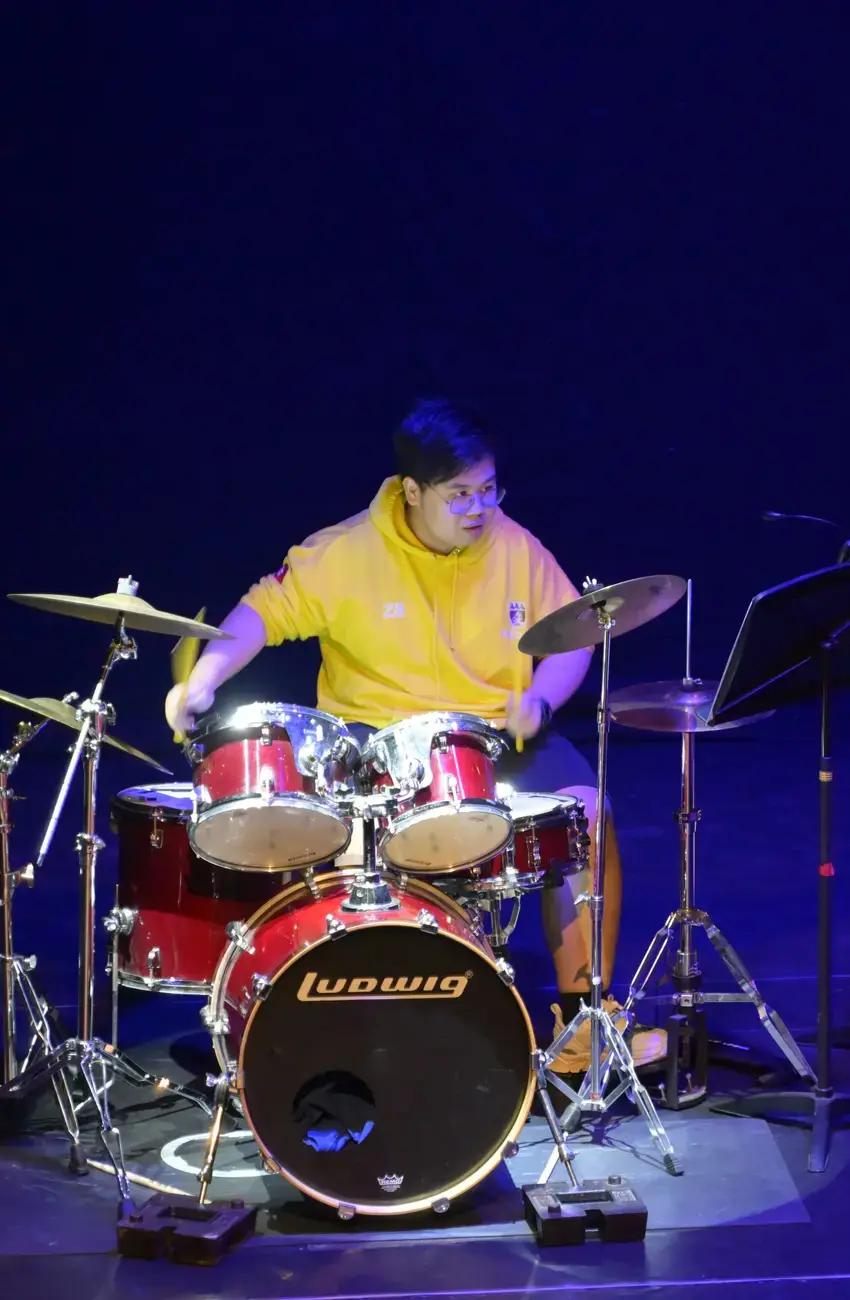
289 601
550 586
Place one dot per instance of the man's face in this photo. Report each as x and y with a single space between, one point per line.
440 526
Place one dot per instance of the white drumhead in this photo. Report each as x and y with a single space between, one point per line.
524 805
174 795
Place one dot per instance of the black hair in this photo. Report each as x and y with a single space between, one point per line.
438 439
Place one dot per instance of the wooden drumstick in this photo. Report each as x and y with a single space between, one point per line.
518 696
184 656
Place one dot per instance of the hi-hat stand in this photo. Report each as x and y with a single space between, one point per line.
603 603
77 1057
783 655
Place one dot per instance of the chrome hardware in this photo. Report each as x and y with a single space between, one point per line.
193 751
269 1166
309 876
127 586
156 830
336 928
506 971
239 935
201 797
453 790
260 987
441 743
120 920
154 960
440 1205
369 893
218 1025
267 788
265 734
345 1212
509 1150
428 922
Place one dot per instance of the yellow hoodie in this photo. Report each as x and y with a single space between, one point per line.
405 631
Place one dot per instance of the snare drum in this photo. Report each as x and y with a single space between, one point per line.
265 778
449 815
381 1056
172 909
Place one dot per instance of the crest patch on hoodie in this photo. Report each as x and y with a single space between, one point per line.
517 613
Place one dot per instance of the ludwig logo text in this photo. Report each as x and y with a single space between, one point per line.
371 988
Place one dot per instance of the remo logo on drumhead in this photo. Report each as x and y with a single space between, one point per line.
314 989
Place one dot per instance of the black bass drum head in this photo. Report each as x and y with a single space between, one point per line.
387 1070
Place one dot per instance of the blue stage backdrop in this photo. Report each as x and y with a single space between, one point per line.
240 238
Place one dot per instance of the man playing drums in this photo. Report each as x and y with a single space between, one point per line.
418 603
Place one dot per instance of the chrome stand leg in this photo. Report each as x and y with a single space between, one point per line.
592 1098
220 1094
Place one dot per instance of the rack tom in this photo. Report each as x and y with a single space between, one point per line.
265 779
443 766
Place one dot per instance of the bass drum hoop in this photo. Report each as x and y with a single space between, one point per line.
217 1000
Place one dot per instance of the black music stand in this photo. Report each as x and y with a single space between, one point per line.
783 655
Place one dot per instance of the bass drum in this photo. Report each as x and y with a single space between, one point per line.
382 1057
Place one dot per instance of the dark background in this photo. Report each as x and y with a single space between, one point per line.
238 239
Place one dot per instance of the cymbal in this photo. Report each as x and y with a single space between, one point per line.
59 711
576 627
137 613
674 707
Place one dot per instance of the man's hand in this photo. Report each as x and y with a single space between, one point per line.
184 702
525 715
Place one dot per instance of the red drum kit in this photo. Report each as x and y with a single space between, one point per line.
360 1010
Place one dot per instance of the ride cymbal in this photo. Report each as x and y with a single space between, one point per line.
137 613
676 707
576 626
59 711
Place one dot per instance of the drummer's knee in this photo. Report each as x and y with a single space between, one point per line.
587 795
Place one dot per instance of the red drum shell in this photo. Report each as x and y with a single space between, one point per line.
256 810
182 903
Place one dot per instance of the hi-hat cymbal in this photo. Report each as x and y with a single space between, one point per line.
59 711
576 626
137 614
676 707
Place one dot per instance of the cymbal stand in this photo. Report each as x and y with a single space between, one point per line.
604 1034
686 1030
82 1053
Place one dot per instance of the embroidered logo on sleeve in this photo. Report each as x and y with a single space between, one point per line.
282 572
517 612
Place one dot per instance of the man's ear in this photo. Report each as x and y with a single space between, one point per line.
412 491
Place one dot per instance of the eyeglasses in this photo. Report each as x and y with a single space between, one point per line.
460 503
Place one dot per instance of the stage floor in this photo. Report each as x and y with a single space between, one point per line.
745 1210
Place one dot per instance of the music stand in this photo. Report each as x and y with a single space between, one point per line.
783 655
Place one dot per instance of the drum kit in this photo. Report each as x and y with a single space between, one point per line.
364 1018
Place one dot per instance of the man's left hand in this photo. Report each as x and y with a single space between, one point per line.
525 715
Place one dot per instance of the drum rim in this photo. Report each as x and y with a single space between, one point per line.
165 812
318 803
266 712
469 1180
431 810
537 819
473 726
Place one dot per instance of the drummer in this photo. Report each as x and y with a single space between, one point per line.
418 603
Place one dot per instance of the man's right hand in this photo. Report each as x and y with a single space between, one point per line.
183 703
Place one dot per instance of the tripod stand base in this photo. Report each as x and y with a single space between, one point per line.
819 1108
561 1215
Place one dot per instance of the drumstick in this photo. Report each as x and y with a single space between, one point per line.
184 656
518 695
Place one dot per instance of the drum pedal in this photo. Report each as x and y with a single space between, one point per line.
178 1229
561 1215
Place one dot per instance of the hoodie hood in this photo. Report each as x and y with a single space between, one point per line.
388 515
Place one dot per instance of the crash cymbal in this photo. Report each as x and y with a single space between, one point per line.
576 626
137 614
59 711
676 707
